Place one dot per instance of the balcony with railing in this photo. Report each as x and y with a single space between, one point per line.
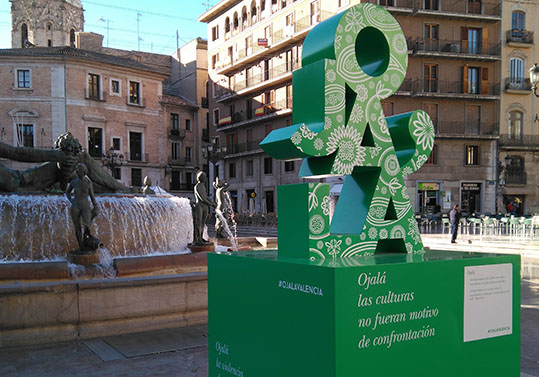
454 89
277 41
176 133
250 146
446 47
517 85
137 157
460 128
459 9
265 78
522 38
178 161
515 177
525 141
262 113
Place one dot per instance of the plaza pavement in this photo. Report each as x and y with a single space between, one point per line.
183 352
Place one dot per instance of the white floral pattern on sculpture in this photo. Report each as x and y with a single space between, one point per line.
316 224
424 131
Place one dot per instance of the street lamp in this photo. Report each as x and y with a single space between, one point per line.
534 78
113 160
213 152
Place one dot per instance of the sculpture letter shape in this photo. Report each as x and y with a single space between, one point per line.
350 62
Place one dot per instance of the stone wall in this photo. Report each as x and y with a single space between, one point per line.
33 313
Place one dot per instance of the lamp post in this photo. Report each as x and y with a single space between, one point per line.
534 78
113 160
213 152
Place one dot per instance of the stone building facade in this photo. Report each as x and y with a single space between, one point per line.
519 119
45 23
110 104
453 74
253 48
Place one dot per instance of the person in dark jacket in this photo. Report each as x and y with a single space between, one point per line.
454 218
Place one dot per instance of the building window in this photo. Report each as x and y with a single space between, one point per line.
115 87
249 168
95 142
117 173
24 35
94 86
267 129
25 135
433 158
515 124
388 108
432 32
315 12
471 40
232 170
516 72
175 180
136 177
430 78
188 154
227 24
134 92
289 166
23 78
472 155
215 117
116 143
387 3
135 146
431 4
474 6
175 152
174 121
518 19
473 80
215 33
72 41
268 165
188 124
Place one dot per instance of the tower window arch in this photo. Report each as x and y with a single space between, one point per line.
227 24
24 34
72 38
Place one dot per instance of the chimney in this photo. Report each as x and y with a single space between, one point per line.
89 41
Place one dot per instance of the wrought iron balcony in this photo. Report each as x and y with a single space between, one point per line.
519 36
452 88
515 177
513 83
460 128
447 46
471 8
529 141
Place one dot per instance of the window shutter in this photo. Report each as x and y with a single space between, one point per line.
484 35
464 37
484 80
465 79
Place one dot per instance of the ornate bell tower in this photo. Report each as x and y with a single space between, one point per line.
45 23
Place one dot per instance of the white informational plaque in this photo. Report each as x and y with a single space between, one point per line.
488 301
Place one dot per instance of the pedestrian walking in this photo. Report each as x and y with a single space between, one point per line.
454 219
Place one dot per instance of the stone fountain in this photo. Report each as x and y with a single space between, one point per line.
158 283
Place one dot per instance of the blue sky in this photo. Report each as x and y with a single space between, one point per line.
159 20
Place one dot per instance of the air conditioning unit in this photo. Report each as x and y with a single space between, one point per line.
454 47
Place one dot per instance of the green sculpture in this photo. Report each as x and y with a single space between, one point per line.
350 62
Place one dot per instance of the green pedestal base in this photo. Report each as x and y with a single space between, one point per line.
442 314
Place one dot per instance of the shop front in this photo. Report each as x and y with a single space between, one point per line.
428 197
470 198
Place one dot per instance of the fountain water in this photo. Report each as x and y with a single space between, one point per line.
39 227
